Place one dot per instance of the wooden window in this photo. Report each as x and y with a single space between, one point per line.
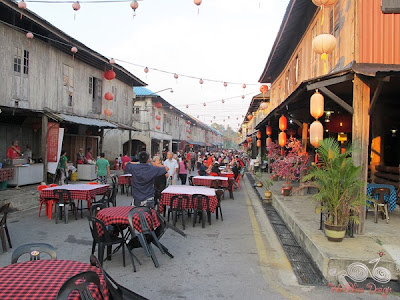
17 59
114 91
68 76
91 86
97 96
70 100
26 62
125 97
287 83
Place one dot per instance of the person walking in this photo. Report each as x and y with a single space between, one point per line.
102 169
183 170
63 166
192 159
173 167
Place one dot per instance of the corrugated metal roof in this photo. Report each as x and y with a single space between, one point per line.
142 91
81 120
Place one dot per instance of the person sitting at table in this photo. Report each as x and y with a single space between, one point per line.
202 169
14 151
215 169
143 177
80 157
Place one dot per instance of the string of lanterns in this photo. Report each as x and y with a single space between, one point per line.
317 111
282 135
109 75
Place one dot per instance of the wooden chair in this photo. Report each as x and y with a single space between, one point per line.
380 203
3 227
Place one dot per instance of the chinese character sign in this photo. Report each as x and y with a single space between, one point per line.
52 141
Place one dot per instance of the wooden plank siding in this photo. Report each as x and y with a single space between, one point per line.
379 34
305 64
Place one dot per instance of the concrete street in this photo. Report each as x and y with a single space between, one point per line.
239 258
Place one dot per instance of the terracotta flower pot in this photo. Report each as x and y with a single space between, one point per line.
335 233
286 191
268 194
259 184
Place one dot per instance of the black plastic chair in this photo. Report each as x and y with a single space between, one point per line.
80 283
147 236
198 201
34 250
108 239
96 207
116 291
64 200
220 195
3 227
190 178
231 183
182 201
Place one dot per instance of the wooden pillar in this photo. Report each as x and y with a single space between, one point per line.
43 146
101 141
130 143
304 137
360 134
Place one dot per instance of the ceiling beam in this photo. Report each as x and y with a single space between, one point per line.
377 92
327 82
337 99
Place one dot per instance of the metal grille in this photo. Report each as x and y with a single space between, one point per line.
304 268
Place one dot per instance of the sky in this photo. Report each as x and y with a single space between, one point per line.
224 40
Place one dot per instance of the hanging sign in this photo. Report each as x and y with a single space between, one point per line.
52 141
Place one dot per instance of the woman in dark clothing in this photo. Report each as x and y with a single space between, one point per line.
215 169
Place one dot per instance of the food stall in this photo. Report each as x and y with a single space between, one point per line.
24 173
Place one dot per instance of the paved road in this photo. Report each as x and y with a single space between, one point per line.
239 258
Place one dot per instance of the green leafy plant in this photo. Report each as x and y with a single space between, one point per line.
339 184
267 183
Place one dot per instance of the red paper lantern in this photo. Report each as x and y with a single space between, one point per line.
201 81
259 134
282 123
188 130
268 142
249 117
204 104
108 112
158 105
109 96
291 132
244 85
317 105
29 35
282 139
264 89
74 50
340 123
249 139
146 70
176 76
76 6
170 107
268 130
109 75
316 133
225 84
188 122
158 117
223 101
21 5
158 127
112 61
258 143
197 2
243 97
134 5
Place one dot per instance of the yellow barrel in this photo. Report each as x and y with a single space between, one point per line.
74 176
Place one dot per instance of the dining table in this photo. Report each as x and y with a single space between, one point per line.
227 175
207 180
188 190
78 192
389 198
124 179
42 279
118 215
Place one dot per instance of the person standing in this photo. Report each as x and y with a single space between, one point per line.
124 160
143 177
80 157
28 153
89 157
173 167
102 169
192 159
14 151
183 170
63 166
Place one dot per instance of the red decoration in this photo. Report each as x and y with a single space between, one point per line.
201 81
134 5
170 107
340 123
158 117
259 134
21 5
146 70
109 96
258 143
197 2
225 84
158 105
176 76
243 97
249 117
188 122
187 106
204 104
268 142
244 85
291 132
223 101
249 139
112 61
282 123
109 75
76 6
282 139
158 127
188 130
29 35
268 130
264 89
108 112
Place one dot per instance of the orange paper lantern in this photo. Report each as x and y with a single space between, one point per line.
259 134
264 89
324 44
258 143
268 142
317 105
282 123
108 112
249 139
282 139
269 130
249 117
109 96
316 133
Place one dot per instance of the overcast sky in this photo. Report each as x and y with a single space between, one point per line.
229 40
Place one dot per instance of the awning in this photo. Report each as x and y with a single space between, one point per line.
209 145
125 127
195 143
80 120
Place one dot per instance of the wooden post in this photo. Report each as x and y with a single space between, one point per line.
304 139
360 134
101 140
43 146
130 143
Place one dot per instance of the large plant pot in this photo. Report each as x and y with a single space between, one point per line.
335 233
268 194
286 191
259 184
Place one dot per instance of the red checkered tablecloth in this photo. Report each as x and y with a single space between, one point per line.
78 191
227 175
124 179
119 216
41 279
6 174
207 180
173 190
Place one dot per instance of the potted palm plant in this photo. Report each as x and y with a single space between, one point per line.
339 188
267 184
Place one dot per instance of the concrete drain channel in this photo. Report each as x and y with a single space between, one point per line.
304 268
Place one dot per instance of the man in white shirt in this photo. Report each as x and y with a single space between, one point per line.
172 164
